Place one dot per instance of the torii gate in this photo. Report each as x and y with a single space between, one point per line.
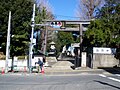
80 28
47 23
80 24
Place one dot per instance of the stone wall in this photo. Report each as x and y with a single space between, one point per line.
102 60
20 64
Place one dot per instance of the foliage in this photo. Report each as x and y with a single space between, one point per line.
43 13
105 30
20 24
64 38
21 11
21 57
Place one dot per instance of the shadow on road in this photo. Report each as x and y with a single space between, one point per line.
104 83
112 70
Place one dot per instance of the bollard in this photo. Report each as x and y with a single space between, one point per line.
3 71
25 69
13 69
42 71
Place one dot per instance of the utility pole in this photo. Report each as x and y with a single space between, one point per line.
45 40
31 43
8 43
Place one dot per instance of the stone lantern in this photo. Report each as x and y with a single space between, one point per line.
52 50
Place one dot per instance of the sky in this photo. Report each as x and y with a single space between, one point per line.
64 9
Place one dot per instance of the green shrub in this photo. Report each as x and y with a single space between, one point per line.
2 57
21 57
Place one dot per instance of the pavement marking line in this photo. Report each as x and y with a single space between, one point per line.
117 75
114 79
111 78
102 75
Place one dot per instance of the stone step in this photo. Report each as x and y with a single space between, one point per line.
51 59
62 65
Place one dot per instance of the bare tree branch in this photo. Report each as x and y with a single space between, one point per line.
46 5
86 8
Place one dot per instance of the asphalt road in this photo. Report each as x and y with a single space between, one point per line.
64 82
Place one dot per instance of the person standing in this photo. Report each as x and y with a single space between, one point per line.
40 64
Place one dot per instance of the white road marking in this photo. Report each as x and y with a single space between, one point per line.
111 78
114 79
102 75
117 75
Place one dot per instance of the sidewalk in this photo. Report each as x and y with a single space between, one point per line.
64 68
80 71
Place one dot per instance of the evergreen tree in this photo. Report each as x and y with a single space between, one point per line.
64 38
21 12
105 30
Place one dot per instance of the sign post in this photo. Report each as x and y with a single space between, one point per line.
8 44
31 43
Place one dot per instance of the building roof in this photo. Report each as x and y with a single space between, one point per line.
52 43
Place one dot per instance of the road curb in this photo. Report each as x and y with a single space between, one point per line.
65 72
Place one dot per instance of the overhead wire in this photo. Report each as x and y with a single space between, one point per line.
65 16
